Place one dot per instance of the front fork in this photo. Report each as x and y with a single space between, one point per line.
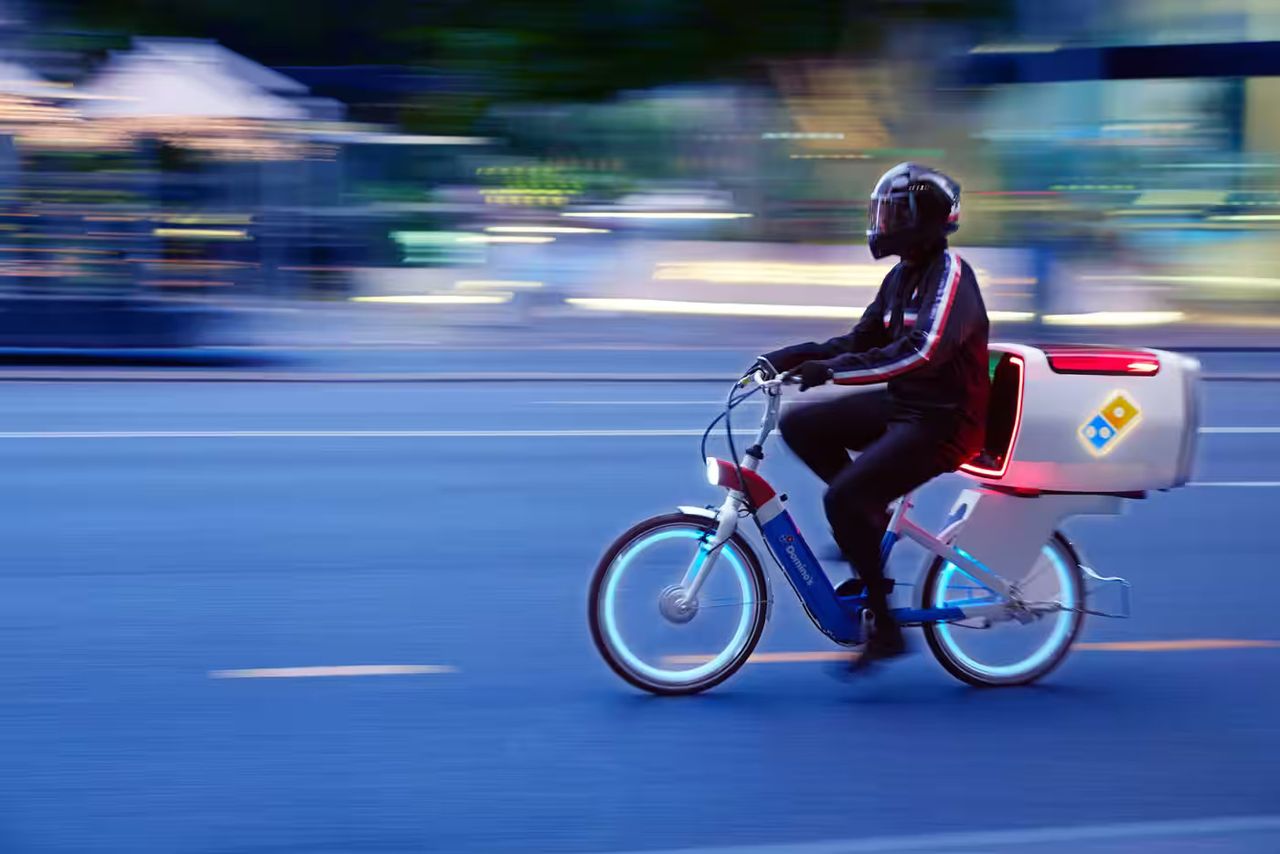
709 551
727 516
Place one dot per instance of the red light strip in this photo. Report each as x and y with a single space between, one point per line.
1102 361
979 471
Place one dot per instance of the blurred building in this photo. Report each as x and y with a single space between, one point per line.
174 182
1140 151
1120 165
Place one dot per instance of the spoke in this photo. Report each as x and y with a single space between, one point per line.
720 603
962 625
1043 565
973 603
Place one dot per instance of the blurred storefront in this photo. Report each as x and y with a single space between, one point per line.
170 190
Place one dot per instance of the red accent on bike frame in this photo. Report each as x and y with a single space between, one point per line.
999 471
758 489
1083 359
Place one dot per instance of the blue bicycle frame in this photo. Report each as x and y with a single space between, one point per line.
838 617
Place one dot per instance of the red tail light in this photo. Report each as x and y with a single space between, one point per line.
1083 359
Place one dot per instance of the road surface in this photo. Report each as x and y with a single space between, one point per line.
404 566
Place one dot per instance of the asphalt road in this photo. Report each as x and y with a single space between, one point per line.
156 534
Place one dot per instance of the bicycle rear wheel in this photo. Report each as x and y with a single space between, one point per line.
1010 652
635 613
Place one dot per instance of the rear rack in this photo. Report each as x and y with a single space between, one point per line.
1106 596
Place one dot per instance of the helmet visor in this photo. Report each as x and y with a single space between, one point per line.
887 214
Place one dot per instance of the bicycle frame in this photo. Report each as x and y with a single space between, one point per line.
838 617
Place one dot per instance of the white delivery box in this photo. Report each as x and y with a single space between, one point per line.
1078 418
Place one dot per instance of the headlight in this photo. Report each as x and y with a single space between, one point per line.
713 471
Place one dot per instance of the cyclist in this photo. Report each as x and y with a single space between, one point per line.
925 334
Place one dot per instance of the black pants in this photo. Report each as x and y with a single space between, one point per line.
899 451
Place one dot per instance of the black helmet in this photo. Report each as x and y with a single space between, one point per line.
911 207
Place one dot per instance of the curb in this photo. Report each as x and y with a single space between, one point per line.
224 376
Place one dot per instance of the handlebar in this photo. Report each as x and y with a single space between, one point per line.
772 388
759 378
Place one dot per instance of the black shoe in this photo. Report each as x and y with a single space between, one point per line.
851 587
885 643
856 587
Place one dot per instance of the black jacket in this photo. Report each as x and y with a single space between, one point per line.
925 334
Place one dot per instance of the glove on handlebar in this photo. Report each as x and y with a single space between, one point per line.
813 374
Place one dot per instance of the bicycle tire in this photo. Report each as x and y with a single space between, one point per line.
759 605
948 658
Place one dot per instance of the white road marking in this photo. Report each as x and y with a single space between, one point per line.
623 433
336 670
1237 483
343 434
983 840
1241 430
719 403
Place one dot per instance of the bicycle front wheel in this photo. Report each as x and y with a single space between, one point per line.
644 628
1010 652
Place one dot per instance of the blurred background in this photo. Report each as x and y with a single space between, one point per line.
248 174
337 340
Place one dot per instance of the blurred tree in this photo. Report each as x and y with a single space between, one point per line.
477 53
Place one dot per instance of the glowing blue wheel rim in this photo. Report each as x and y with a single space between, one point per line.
1052 645
608 620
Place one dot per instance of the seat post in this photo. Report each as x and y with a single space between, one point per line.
900 507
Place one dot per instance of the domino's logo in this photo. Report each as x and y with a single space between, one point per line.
1116 419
